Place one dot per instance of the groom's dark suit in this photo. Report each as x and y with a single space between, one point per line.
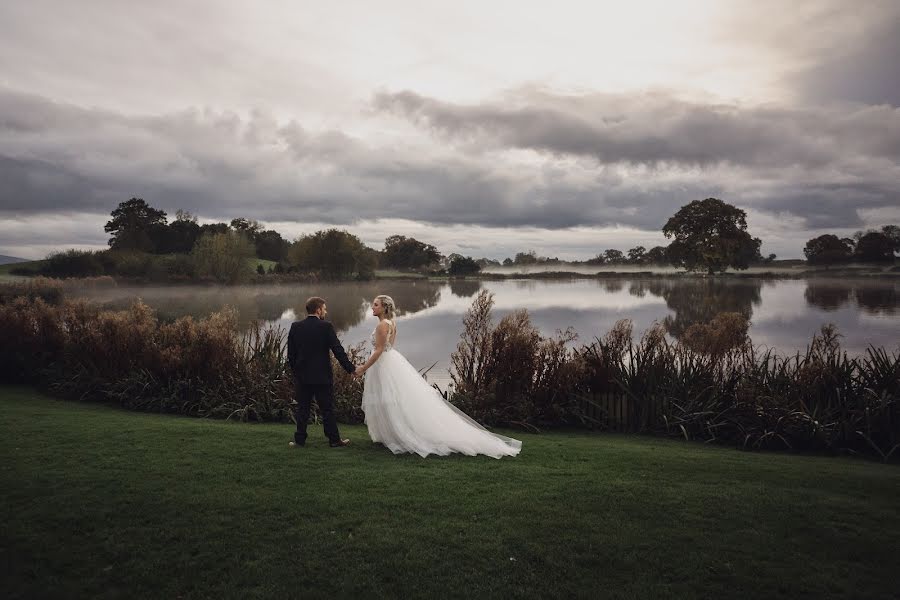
308 346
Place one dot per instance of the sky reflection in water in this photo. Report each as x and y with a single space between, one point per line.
784 313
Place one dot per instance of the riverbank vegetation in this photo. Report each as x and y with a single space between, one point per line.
710 383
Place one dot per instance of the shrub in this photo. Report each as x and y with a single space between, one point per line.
72 263
714 386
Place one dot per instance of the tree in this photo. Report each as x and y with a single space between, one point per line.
214 228
333 253
248 227
183 233
409 253
656 256
827 249
710 234
131 223
637 255
526 258
463 265
507 262
271 246
487 262
224 257
875 247
893 232
613 256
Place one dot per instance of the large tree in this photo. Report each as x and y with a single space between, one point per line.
657 255
710 234
463 265
183 233
893 232
827 249
134 225
875 247
409 253
637 255
271 246
333 253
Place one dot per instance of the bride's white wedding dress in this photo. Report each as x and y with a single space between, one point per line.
406 414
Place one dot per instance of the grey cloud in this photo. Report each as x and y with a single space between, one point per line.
822 164
657 129
60 157
57 157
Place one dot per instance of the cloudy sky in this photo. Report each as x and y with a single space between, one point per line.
483 127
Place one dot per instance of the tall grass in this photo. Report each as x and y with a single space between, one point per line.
713 385
204 367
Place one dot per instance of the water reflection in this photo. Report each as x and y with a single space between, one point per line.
348 303
698 301
784 313
612 285
827 295
464 288
873 297
878 300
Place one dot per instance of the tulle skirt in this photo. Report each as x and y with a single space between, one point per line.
406 414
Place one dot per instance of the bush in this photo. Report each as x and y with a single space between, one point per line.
223 256
48 290
72 263
510 374
715 386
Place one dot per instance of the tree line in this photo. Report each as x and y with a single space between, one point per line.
706 235
871 246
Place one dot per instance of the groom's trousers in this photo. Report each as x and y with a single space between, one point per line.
324 395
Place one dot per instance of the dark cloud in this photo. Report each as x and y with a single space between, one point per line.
593 160
657 129
820 163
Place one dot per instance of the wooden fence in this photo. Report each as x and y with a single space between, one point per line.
620 412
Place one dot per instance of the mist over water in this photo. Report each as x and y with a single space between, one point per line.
784 314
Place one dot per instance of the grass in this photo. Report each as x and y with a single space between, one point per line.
107 503
395 274
267 264
6 270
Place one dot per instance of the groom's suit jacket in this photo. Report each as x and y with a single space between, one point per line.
308 346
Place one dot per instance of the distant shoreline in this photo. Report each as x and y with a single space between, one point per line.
785 273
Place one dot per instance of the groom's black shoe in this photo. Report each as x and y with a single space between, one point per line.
296 445
339 443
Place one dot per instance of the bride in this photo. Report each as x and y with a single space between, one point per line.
406 414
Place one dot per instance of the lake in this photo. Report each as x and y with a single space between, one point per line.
784 313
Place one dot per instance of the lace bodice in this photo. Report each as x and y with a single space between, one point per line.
392 330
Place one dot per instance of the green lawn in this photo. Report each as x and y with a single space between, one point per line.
267 264
100 502
5 269
395 274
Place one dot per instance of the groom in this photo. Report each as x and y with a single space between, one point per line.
309 342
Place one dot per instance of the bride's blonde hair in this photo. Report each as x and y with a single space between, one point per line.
387 303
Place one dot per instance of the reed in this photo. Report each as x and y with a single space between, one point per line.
712 385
